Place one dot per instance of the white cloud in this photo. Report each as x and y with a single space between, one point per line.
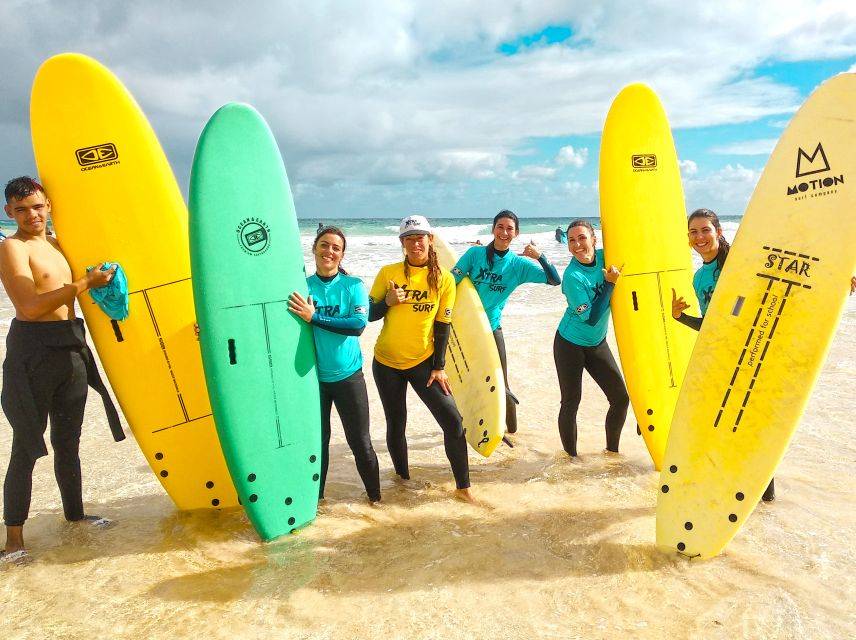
726 191
567 156
534 172
761 147
391 92
688 167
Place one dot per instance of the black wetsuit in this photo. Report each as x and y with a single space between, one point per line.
392 388
571 359
47 370
510 399
580 343
352 404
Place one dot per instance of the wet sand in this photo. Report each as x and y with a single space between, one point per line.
559 549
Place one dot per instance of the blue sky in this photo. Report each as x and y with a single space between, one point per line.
449 108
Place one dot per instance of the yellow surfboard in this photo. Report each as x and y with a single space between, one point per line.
473 365
115 198
767 330
644 225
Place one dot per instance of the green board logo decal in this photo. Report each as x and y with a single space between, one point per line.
101 155
253 236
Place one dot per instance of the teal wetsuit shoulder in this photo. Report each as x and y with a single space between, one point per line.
704 282
586 319
341 313
495 282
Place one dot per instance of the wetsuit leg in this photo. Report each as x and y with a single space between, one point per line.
352 403
446 413
392 388
18 486
510 404
570 359
603 369
770 492
66 414
43 377
326 407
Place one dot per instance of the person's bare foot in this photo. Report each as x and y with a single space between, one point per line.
14 539
611 454
99 522
465 495
18 556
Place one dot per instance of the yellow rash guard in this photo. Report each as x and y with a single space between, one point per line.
407 336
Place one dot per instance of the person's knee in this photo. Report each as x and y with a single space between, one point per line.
620 399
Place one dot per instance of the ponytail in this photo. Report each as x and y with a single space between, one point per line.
433 269
490 251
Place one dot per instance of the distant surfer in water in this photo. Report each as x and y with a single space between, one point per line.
561 236
496 272
415 298
580 341
338 308
705 237
48 364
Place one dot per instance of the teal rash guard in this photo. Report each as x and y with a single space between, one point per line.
341 313
704 282
588 294
494 283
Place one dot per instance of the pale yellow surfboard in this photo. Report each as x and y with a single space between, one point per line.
644 224
767 330
472 363
115 198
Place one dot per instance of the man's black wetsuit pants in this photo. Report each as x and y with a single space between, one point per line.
58 385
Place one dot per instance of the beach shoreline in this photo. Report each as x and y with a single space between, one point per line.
560 549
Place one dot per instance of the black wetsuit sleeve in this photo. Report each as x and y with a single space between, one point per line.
442 330
691 321
553 278
600 304
349 326
377 310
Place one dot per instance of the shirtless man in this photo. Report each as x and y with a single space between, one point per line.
48 365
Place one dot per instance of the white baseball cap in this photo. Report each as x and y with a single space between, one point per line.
412 225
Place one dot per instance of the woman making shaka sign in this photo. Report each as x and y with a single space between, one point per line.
415 299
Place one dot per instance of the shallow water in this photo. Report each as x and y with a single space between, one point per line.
559 549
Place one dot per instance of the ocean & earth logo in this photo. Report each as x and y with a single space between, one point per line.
101 155
253 236
810 164
644 162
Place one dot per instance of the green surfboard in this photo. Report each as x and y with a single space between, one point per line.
259 359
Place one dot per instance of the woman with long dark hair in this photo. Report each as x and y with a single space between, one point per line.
415 298
580 342
337 308
496 272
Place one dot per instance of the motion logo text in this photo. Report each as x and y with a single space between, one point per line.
810 164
